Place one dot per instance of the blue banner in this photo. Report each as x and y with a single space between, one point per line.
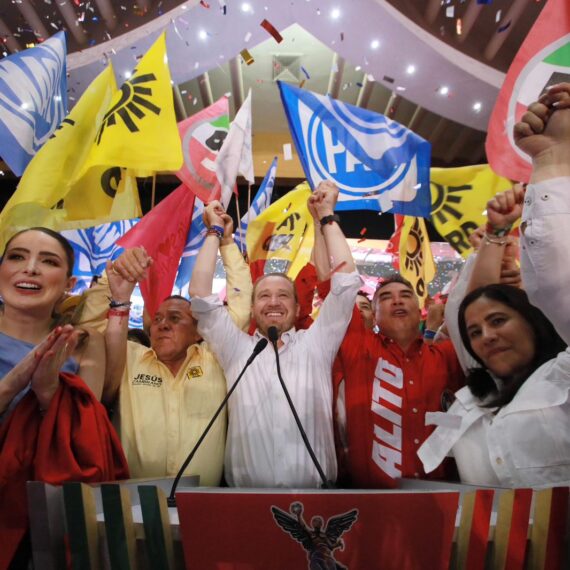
260 202
194 241
33 100
377 163
93 247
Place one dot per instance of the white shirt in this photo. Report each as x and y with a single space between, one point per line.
545 252
264 447
527 442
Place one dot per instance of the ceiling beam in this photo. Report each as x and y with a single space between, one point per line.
392 105
335 77
73 25
205 89
457 146
108 13
179 106
8 38
417 118
435 135
365 92
432 10
32 18
469 19
513 14
236 79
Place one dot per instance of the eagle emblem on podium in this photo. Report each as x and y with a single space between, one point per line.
319 540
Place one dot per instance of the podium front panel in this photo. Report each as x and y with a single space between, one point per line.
259 530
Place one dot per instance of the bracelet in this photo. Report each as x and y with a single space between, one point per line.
118 313
115 304
214 231
495 240
429 334
499 232
218 229
329 219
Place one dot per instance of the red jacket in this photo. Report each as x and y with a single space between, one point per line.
387 393
74 441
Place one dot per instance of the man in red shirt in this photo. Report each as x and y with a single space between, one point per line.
391 380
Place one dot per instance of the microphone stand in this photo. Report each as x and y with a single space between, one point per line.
171 500
273 337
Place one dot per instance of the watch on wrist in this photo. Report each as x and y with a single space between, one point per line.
329 219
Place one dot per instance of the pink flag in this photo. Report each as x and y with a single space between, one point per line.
162 232
202 137
542 60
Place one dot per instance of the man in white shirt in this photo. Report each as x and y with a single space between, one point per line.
264 447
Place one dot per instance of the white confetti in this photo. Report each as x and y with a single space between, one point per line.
287 152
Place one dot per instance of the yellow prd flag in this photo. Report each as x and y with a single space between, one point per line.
279 231
50 175
125 205
459 197
416 259
139 130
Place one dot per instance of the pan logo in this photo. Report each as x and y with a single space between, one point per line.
340 147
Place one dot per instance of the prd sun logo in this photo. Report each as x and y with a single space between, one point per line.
444 198
414 254
135 97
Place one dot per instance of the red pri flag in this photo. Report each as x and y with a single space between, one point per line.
202 137
393 246
542 60
162 232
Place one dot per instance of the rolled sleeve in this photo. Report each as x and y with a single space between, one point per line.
336 311
238 285
216 327
545 254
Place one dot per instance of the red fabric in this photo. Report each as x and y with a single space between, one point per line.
305 283
162 232
524 83
74 441
393 246
381 379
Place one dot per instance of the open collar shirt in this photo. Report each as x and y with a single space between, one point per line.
264 447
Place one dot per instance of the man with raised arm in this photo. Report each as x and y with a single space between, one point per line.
264 447
167 393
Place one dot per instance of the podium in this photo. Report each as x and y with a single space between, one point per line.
421 525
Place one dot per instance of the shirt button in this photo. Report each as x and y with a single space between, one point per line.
527 201
415 410
407 360
411 382
416 441
499 461
545 197
416 475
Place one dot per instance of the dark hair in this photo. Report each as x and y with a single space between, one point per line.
392 278
68 250
180 297
274 274
547 342
138 335
362 293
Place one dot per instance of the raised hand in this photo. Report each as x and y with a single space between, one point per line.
505 208
214 214
126 271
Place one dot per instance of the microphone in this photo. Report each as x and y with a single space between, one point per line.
171 500
273 335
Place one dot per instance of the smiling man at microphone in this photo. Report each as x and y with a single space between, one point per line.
264 447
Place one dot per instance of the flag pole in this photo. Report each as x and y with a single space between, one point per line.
248 196
239 222
153 192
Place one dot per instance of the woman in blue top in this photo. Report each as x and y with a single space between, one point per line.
35 276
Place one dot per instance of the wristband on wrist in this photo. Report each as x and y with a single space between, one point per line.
329 220
215 231
118 312
219 229
116 304
429 334
494 240
498 232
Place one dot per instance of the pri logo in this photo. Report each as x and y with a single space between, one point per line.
319 542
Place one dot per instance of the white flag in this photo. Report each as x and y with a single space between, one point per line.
235 156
